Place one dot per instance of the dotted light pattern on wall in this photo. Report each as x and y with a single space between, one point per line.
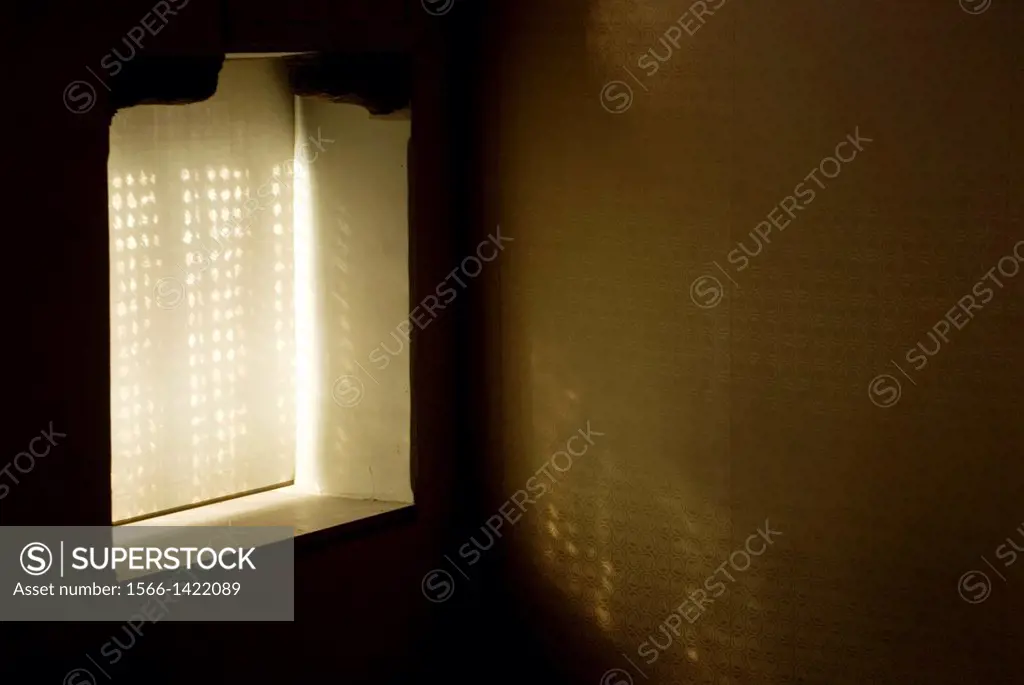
284 305
215 240
223 278
202 297
573 538
136 413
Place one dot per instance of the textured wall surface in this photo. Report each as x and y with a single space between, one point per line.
736 385
360 211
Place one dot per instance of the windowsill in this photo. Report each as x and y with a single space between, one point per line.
309 514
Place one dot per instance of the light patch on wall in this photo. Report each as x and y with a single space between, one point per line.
307 333
573 538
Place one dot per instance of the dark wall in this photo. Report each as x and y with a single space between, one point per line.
720 414
360 614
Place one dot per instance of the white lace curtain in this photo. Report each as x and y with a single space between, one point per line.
201 288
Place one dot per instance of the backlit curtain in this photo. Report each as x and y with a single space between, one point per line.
201 284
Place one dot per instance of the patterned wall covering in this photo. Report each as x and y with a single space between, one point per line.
785 391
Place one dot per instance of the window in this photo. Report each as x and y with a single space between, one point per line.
223 343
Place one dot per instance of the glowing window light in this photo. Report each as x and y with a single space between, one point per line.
202 394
